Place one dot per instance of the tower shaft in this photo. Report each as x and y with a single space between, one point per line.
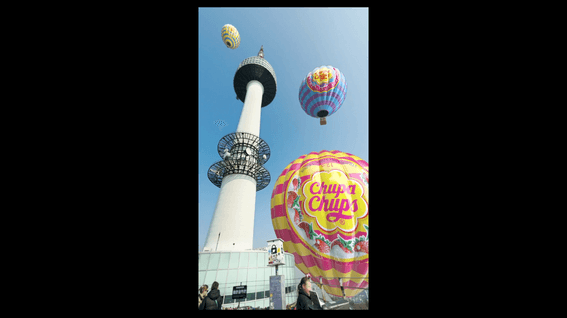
241 173
233 217
250 116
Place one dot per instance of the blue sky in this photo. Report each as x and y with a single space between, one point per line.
295 40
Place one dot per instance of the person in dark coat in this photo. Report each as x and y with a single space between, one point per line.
213 301
202 293
304 298
315 300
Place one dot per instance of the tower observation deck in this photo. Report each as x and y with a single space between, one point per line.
256 68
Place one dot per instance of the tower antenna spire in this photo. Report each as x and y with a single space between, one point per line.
261 52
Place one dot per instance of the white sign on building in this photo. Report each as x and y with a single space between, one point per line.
275 252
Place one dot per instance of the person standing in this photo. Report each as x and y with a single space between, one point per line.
304 297
203 293
214 300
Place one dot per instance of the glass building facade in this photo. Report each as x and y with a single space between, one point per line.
249 268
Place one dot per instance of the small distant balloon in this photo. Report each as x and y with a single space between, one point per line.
220 123
230 36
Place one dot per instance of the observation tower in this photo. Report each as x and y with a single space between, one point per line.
241 173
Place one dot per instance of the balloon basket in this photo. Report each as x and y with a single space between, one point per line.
323 121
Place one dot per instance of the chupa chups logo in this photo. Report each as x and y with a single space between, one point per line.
334 201
323 75
323 80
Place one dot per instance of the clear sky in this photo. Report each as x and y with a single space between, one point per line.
295 40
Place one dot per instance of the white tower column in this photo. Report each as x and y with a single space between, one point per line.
233 218
232 226
250 116
240 173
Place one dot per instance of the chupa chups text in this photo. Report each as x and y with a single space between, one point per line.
333 200
324 203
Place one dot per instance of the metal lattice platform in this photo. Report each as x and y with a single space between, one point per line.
244 145
223 168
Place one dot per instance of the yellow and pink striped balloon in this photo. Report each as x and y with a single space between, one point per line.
320 209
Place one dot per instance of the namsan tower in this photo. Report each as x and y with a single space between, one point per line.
240 173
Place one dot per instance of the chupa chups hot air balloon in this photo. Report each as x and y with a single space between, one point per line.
322 92
320 209
230 36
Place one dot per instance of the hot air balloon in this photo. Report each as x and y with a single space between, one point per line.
230 36
319 208
322 92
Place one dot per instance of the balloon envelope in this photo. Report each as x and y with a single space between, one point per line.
230 36
319 208
322 91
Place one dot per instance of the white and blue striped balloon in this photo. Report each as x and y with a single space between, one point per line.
322 91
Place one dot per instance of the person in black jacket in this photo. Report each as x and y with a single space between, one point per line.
304 298
202 293
213 301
